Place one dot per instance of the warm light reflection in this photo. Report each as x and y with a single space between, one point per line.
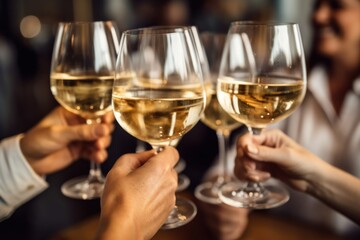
281 49
236 45
30 26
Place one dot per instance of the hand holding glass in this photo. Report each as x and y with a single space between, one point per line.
262 80
82 76
158 93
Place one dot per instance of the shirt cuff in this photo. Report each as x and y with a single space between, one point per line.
18 181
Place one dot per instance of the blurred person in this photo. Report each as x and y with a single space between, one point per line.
328 121
121 11
281 157
160 12
175 12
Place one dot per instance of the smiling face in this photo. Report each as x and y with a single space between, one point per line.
337 27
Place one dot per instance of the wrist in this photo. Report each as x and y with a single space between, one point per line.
317 179
116 221
26 152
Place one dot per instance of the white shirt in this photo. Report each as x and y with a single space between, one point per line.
18 182
335 139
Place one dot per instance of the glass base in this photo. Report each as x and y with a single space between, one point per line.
183 182
255 196
208 192
183 213
82 188
180 165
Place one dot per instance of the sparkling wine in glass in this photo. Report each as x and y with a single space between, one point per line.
262 80
215 118
158 93
81 79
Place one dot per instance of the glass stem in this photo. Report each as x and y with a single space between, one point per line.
255 131
95 174
255 186
174 214
223 141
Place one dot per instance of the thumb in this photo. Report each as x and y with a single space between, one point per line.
267 154
129 162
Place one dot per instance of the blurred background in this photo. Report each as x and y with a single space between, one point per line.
26 40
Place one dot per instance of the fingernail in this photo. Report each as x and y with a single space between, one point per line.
252 149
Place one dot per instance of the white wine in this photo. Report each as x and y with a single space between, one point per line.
157 116
88 96
260 103
216 118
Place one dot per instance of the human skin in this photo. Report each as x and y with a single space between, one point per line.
62 138
282 158
139 194
336 45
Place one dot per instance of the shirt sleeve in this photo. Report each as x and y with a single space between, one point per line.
18 181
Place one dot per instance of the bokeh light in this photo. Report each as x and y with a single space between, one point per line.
30 26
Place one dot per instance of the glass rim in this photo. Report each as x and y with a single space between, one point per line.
160 30
86 22
263 23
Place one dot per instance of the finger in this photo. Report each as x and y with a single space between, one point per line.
274 138
98 156
244 164
267 154
268 137
102 143
47 165
249 165
258 176
128 162
244 140
161 164
108 117
168 157
92 132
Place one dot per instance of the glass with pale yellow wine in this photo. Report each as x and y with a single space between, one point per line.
262 80
81 80
158 93
215 118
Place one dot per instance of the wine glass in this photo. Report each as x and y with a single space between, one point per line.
82 76
262 80
158 93
183 180
215 118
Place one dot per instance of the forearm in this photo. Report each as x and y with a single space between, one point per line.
338 189
108 231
